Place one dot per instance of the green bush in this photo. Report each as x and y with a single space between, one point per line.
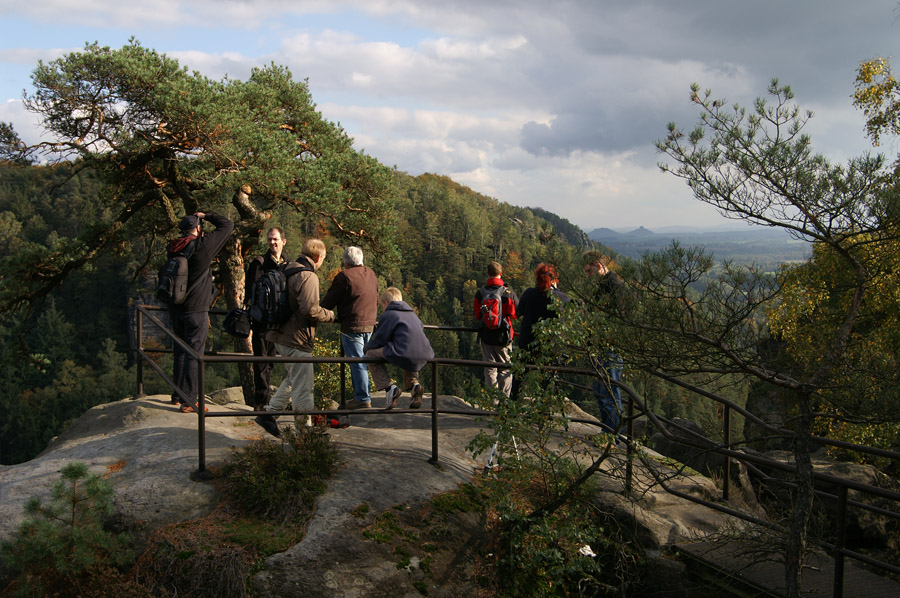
328 375
572 551
280 480
269 491
65 539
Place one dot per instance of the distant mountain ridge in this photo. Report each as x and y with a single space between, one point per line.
765 246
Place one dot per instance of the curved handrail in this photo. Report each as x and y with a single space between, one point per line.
663 425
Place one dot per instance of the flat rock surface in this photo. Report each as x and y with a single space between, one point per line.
148 450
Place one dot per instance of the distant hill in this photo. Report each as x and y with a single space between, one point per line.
765 247
571 233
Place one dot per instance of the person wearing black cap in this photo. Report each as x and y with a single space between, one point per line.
190 319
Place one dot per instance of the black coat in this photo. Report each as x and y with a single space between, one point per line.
206 248
534 306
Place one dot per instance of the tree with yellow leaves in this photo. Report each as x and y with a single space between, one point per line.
757 165
878 95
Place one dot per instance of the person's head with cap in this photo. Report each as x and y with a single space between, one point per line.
190 224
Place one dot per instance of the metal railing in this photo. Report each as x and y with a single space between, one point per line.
634 404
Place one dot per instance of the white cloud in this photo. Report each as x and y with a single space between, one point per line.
552 105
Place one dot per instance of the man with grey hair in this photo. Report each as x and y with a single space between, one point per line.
354 292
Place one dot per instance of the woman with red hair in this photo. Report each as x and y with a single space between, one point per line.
534 306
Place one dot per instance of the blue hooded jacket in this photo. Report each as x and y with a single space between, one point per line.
400 332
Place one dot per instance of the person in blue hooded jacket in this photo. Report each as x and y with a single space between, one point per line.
399 338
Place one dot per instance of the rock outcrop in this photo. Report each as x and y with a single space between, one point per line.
148 451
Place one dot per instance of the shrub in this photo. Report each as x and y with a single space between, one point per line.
64 541
328 375
280 480
270 490
568 552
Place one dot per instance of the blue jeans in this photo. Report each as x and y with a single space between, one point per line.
353 343
608 395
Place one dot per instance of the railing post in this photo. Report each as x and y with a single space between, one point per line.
726 483
202 473
139 336
343 377
838 590
434 413
628 448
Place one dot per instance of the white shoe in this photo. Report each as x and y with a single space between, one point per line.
391 395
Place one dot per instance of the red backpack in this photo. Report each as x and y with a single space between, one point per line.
493 324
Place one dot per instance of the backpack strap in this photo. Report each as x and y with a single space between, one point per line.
288 272
186 253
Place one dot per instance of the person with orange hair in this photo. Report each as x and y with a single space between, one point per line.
534 306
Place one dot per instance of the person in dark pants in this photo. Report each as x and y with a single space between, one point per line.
190 319
534 306
399 338
262 371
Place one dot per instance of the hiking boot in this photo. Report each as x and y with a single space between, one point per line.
185 408
354 404
391 395
268 424
416 392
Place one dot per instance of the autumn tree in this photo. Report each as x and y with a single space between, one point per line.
878 96
758 165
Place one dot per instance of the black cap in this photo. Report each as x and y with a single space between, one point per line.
189 223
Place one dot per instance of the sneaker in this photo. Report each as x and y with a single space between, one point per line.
354 404
185 408
391 395
416 392
268 424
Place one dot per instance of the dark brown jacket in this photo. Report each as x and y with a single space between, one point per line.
354 292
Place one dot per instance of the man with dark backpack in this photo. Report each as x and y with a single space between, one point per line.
190 316
259 267
495 309
296 336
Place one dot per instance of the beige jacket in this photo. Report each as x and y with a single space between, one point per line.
303 294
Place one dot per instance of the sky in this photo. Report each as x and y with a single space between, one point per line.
543 104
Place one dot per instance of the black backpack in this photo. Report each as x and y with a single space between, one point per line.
173 277
269 303
493 325
237 323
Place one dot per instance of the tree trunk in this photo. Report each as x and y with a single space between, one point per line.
246 235
802 503
232 271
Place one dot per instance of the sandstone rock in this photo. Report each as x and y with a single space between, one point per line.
683 447
148 451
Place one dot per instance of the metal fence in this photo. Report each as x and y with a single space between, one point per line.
634 407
